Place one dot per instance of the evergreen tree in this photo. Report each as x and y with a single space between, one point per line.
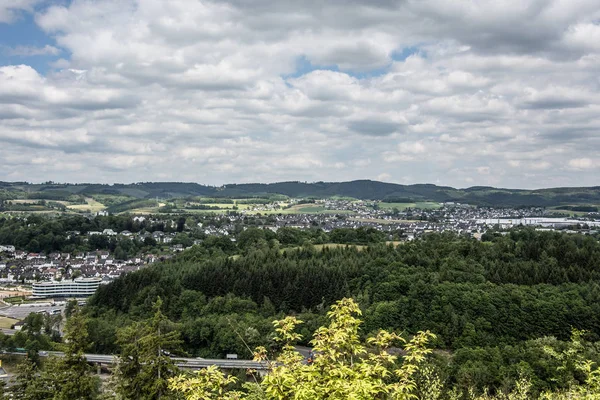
144 366
72 375
29 383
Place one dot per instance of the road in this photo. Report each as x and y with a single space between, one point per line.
181 362
192 363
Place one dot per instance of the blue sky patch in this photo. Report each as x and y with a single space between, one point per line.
25 32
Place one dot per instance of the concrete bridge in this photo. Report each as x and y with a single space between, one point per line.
181 362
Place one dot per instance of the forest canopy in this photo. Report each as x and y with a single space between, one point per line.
489 302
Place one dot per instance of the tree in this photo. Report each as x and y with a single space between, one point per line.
72 374
345 368
33 337
70 308
342 367
144 367
29 384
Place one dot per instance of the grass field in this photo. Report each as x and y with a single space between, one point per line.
14 300
227 206
147 210
91 206
224 207
7 323
560 209
425 205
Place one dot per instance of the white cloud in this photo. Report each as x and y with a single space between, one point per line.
583 163
385 177
484 93
28 51
11 9
483 170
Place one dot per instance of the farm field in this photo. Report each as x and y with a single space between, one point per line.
92 205
146 210
248 208
565 209
227 206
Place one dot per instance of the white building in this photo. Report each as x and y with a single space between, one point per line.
7 248
536 221
80 287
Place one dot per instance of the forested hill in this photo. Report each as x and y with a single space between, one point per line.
360 189
495 305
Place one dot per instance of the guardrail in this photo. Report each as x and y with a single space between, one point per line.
181 362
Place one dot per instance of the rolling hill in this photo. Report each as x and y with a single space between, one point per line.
359 189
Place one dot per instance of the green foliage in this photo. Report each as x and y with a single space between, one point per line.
30 384
488 302
144 367
343 367
65 378
72 376
360 189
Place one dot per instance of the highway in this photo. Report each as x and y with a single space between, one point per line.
181 362
191 363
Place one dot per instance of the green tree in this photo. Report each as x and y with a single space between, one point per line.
72 375
70 308
144 367
28 384
342 369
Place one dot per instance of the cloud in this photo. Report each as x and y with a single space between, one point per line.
583 163
373 127
30 51
10 10
474 93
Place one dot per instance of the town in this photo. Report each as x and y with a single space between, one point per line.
158 237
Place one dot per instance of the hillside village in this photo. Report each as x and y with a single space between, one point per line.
19 266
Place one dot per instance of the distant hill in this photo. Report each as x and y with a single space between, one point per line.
360 189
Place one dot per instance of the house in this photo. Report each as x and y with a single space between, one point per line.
35 256
158 235
7 248
109 232
19 325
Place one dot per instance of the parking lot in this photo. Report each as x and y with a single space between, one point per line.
23 310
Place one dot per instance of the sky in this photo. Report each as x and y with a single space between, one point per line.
459 93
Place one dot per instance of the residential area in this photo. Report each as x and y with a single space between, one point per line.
161 237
